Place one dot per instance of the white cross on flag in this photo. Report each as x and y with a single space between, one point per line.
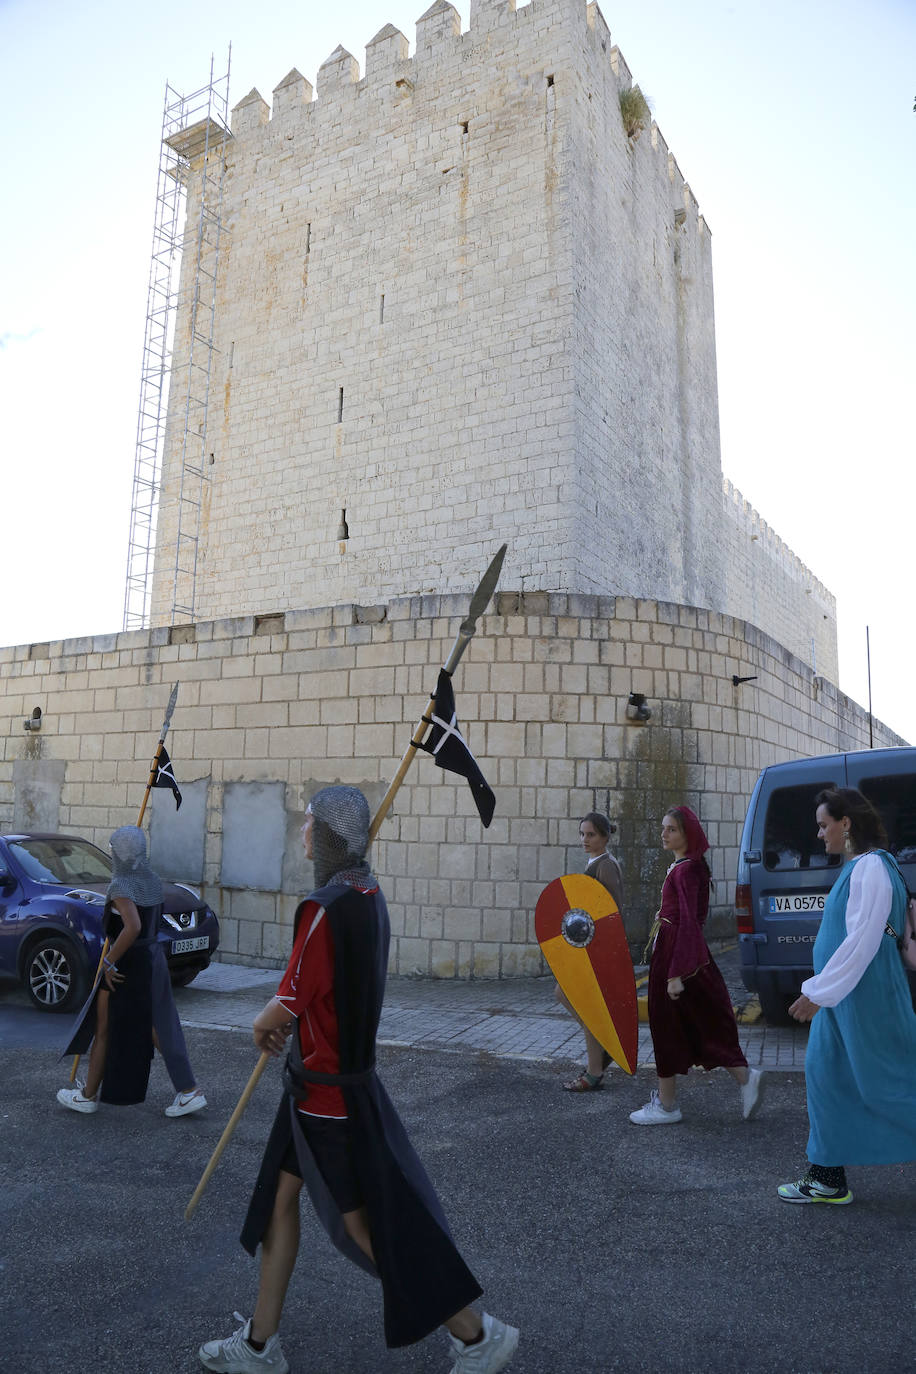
165 777
449 748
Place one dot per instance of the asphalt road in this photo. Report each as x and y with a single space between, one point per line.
613 1247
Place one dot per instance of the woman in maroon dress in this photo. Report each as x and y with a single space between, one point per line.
690 1011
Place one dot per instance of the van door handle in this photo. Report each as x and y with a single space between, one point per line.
752 856
755 937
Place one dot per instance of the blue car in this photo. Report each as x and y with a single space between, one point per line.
52 900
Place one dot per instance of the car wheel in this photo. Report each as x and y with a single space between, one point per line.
55 975
775 1006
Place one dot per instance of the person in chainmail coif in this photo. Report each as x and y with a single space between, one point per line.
337 1132
118 1016
340 837
136 977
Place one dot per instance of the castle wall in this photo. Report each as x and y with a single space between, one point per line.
393 308
273 706
647 436
458 304
766 583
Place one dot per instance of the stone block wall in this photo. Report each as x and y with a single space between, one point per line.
648 507
273 706
393 308
768 584
457 304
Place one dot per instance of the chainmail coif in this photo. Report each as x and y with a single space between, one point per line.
131 875
340 836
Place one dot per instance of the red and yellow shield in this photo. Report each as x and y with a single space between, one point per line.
582 938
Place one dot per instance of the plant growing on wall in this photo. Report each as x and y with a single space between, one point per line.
635 111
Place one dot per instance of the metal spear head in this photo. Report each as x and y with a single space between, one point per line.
481 598
168 711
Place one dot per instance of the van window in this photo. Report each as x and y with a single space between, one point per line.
790 831
895 799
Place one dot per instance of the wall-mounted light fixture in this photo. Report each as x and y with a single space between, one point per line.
637 710
33 722
737 681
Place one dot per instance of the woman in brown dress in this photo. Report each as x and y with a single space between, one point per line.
595 830
690 1011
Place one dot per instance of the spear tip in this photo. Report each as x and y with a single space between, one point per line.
481 598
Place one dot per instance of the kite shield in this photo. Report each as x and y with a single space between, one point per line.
582 938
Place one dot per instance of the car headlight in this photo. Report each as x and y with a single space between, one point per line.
79 894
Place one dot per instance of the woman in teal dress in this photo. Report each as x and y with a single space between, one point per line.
859 1065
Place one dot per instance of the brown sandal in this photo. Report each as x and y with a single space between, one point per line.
585 1083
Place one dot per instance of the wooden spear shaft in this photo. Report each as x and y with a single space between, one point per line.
226 1136
479 602
264 1059
415 742
262 1063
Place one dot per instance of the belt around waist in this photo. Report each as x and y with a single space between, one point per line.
297 1079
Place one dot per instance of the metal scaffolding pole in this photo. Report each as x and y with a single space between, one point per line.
192 162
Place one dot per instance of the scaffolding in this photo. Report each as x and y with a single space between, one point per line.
192 166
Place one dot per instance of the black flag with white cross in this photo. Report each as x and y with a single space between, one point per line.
449 748
165 777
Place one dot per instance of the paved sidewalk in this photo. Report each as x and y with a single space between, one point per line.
509 1019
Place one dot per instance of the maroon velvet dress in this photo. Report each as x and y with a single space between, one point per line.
699 1027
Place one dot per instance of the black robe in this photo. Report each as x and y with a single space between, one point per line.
130 1013
424 1279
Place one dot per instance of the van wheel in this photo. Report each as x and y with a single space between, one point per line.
775 1006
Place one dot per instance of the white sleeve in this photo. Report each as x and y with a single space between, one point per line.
868 910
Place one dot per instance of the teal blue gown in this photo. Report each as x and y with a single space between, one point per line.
860 1066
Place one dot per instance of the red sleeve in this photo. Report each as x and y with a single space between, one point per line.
691 884
309 973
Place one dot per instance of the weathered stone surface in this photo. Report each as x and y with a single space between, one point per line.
461 305
461 897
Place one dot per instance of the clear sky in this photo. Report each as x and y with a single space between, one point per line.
791 119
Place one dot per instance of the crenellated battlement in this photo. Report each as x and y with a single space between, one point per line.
391 70
293 94
758 530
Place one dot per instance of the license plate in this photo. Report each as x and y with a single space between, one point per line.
194 942
796 901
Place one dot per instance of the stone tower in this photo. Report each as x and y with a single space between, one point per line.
459 304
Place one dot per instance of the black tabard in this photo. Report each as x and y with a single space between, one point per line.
424 1279
130 1013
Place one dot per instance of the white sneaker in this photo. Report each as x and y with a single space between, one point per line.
186 1103
654 1114
74 1099
751 1093
806 1190
235 1356
489 1355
